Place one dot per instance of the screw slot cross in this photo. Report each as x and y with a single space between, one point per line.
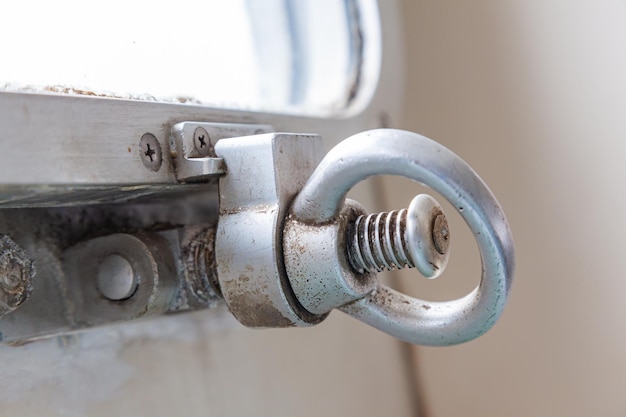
150 152
202 141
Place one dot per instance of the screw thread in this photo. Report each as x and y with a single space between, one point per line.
415 237
378 241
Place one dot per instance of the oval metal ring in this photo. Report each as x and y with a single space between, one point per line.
397 152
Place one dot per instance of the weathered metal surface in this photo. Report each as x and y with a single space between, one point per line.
276 269
80 286
441 234
264 174
153 267
198 255
47 233
192 147
55 195
414 156
316 262
17 271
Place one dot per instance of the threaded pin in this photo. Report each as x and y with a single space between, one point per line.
414 237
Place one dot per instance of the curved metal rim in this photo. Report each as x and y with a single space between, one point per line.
398 152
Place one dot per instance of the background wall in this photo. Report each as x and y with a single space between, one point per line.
532 93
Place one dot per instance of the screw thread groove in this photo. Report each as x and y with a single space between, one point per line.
378 241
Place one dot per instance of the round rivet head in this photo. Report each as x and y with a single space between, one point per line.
116 278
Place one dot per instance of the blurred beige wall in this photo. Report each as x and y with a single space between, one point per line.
532 93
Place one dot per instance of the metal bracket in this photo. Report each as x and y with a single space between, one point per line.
192 146
265 172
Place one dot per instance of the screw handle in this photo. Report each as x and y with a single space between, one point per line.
397 152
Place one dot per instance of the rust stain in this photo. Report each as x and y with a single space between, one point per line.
252 306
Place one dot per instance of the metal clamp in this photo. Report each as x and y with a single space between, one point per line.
192 146
286 250
315 240
265 172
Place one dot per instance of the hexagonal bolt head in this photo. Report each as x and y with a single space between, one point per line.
16 275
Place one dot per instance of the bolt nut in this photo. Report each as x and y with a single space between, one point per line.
16 274
202 142
150 151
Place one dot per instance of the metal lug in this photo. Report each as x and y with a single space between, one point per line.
192 147
265 172
120 277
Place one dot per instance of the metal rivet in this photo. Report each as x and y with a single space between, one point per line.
202 142
116 278
150 151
